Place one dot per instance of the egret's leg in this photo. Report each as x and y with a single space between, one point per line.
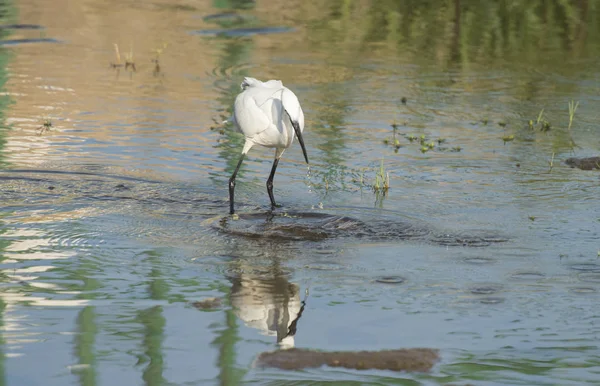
232 183
270 182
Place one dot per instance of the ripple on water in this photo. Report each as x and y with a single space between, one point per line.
586 267
527 275
485 289
491 300
479 260
582 290
300 226
589 277
325 266
390 279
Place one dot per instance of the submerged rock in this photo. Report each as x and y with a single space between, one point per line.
412 359
588 163
317 226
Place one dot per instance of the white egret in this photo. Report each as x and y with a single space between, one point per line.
268 114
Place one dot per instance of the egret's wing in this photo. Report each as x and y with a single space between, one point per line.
249 115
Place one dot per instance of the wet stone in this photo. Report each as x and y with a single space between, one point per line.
416 359
588 163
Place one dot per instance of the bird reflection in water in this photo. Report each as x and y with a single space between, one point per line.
268 303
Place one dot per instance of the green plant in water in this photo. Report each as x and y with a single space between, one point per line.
156 60
572 109
456 149
508 138
540 117
412 138
551 163
382 180
46 126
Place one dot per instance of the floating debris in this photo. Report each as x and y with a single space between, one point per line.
207 304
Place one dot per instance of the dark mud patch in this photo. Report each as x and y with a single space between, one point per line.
317 226
414 360
588 163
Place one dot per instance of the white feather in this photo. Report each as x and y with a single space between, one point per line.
263 112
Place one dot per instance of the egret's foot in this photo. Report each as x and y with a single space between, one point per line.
234 216
274 205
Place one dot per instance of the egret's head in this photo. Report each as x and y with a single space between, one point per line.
249 82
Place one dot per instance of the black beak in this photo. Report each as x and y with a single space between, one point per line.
299 135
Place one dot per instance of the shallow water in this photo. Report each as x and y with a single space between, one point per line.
114 225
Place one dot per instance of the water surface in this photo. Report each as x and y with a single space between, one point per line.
119 261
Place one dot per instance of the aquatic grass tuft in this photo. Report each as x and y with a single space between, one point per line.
572 109
129 62
551 163
382 180
508 138
156 59
540 116
46 126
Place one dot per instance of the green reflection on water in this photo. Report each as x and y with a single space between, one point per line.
455 31
154 321
84 345
7 14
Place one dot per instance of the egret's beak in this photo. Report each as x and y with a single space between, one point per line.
299 135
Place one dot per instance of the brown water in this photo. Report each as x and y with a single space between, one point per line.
114 220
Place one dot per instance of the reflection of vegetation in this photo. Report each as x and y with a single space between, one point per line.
464 32
2 345
84 345
6 13
154 322
330 123
234 53
229 374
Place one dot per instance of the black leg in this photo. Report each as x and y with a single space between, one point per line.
232 183
270 182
